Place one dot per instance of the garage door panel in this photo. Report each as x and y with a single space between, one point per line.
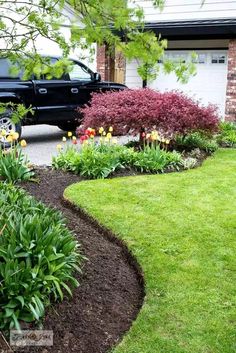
209 84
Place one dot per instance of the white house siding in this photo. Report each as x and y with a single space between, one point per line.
187 10
132 79
48 47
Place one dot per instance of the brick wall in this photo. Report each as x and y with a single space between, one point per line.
105 63
101 61
230 108
111 65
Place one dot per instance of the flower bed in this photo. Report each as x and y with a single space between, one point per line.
155 154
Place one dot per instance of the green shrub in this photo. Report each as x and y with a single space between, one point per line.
154 160
195 140
38 256
100 160
14 165
94 161
227 135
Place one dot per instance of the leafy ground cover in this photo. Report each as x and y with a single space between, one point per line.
182 229
38 257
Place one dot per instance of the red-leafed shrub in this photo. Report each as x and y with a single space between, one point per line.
131 110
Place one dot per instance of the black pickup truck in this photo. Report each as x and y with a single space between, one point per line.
53 101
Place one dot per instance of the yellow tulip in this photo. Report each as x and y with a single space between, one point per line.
74 138
100 130
64 139
23 143
69 134
167 142
104 133
11 133
3 133
9 138
109 135
15 136
110 129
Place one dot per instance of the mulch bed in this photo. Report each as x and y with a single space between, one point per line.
111 292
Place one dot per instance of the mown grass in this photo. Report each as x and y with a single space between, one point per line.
182 229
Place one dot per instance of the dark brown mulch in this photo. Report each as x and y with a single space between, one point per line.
111 292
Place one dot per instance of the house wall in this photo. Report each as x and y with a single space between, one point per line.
230 110
133 80
48 47
187 9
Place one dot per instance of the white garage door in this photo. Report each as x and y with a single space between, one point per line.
209 84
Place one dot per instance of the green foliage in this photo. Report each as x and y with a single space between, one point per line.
93 161
97 161
14 166
38 256
18 110
92 21
195 140
154 159
227 135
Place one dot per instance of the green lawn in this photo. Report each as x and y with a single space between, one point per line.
182 229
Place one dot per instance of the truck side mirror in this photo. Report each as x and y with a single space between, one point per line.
97 77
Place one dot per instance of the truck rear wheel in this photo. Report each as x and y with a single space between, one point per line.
7 125
68 126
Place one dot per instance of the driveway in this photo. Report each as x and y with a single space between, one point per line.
42 141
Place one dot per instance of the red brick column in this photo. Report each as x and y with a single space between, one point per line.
101 60
104 62
230 107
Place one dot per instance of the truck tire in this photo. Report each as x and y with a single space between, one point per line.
68 126
7 125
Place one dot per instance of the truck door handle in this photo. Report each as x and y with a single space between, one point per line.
74 90
43 90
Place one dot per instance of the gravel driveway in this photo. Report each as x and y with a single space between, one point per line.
42 141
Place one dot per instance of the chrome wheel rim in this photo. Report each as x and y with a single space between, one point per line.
7 125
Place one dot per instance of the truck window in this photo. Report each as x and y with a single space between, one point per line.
80 73
5 66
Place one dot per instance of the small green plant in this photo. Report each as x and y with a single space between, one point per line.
154 159
14 166
227 135
38 256
195 140
18 111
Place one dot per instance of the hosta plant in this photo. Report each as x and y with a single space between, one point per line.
38 257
